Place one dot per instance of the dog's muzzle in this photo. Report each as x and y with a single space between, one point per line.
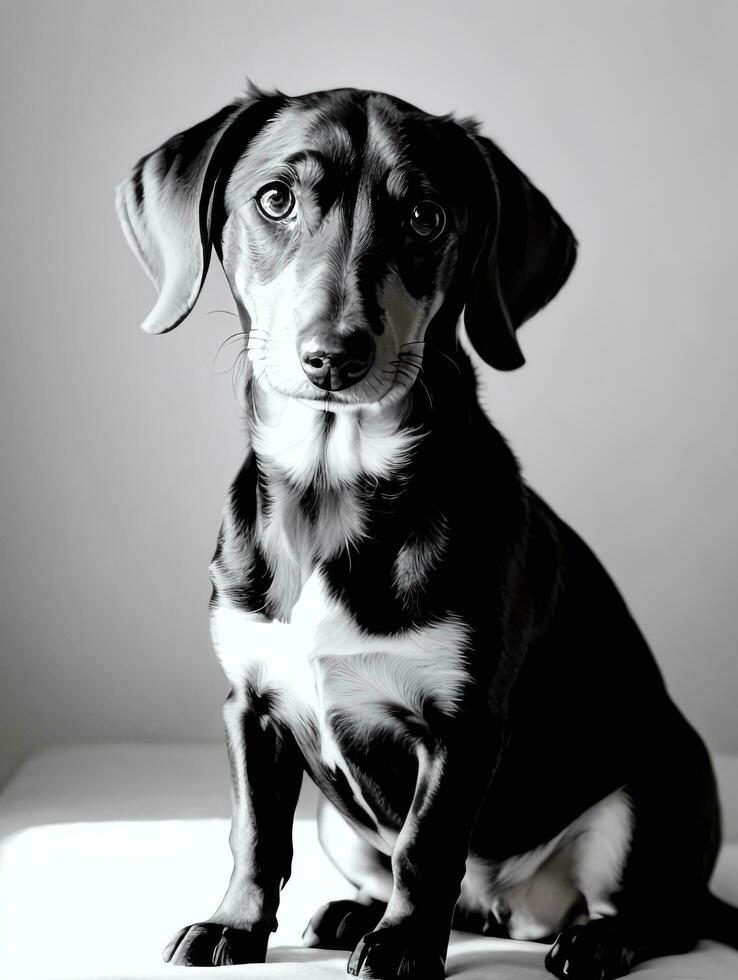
333 362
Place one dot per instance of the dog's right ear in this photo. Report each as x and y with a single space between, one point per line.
167 205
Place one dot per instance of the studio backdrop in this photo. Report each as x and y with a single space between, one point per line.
117 447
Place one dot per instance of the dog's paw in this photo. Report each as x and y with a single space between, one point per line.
393 952
212 944
593 951
340 925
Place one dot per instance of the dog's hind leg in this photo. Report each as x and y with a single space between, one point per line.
266 773
341 924
658 905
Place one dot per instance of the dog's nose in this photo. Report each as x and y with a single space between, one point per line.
333 362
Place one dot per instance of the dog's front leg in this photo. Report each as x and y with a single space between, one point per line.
429 859
266 772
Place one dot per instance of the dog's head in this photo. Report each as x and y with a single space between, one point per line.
349 225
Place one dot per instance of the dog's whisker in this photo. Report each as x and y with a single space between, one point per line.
424 386
454 364
228 340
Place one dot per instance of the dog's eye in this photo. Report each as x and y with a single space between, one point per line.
275 200
427 220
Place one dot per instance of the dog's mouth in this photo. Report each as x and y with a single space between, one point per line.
382 385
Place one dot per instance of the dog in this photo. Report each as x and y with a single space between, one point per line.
397 612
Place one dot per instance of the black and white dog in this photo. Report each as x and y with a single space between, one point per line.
396 611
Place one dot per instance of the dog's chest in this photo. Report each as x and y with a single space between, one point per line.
326 675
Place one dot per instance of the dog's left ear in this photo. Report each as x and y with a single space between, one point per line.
166 207
526 255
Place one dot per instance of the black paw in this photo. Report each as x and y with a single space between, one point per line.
392 952
593 951
340 925
211 944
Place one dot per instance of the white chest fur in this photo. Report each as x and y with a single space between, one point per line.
321 661
292 436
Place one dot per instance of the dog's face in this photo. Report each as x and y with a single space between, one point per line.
347 223
341 242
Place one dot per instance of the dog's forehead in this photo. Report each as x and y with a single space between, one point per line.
347 135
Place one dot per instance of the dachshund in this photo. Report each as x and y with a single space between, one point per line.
397 613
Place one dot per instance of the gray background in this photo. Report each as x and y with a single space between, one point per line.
117 447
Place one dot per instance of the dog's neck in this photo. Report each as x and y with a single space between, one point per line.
311 448
327 480
319 472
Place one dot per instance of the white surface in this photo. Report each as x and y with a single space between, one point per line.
105 850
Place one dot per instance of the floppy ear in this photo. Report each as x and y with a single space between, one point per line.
168 204
526 256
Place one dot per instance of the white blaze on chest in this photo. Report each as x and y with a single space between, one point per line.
295 438
322 659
